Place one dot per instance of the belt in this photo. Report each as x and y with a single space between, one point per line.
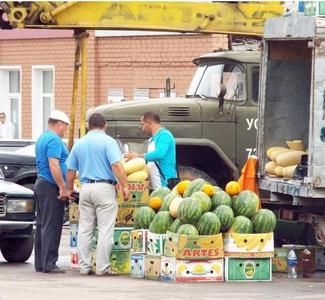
102 181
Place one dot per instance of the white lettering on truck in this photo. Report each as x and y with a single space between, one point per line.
251 123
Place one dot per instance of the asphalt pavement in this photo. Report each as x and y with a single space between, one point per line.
20 282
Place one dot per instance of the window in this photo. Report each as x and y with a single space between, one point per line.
209 79
141 94
115 95
42 97
11 96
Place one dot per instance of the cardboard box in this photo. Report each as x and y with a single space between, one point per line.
94 239
120 261
137 265
194 247
279 261
139 193
248 245
320 258
122 238
73 235
248 269
173 269
73 213
155 244
125 216
139 241
152 266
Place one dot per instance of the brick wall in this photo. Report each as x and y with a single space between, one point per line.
126 62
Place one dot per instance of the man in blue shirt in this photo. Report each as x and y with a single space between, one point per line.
161 151
50 192
97 158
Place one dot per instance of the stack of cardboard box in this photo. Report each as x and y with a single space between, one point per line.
248 257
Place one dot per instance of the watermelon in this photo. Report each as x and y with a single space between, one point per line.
241 224
264 221
143 217
167 200
195 186
246 204
189 211
225 215
220 197
161 222
160 192
203 199
187 229
208 224
176 224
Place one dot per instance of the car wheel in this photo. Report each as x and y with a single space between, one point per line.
17 249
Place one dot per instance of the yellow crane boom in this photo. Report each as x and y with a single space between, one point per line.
243 18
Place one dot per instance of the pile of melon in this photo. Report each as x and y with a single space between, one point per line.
284 160
136 169
198 208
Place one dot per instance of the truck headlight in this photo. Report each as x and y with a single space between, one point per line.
20 206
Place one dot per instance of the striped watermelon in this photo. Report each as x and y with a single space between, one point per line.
194 186
264 221
241 224
203 199
220 197
187 229
208 224
143 217
161 222
167 200
176 224
246 204
160 192
225 215
189 211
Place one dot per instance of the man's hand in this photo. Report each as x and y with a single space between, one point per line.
64 194
126 193
130 155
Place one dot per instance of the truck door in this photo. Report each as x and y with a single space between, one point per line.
246 115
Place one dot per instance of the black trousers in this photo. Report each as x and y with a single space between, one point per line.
49 221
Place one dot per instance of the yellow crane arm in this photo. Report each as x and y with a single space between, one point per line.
244 18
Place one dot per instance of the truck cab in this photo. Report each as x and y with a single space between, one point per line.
17 217
214 125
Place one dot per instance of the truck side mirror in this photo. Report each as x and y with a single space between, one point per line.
222 93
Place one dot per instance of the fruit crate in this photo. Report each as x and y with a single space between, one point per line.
248 245
193 247
248 269
139 193
137 265
152 265
139 241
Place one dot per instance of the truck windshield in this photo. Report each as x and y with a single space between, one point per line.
208 78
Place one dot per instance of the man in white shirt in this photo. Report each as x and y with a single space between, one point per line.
7 129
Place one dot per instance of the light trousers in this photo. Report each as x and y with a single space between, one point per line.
97 205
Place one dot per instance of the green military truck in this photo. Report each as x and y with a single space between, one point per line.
214 125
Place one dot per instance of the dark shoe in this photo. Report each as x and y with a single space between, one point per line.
86 272
56 270
108 272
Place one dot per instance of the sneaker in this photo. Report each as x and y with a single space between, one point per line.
56 270
85 272
108 272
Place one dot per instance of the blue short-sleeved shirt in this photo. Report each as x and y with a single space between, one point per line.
93 155
50 145
164 154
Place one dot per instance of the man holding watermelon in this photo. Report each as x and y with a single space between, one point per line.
161 155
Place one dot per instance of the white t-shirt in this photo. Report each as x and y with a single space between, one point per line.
7 130
155 181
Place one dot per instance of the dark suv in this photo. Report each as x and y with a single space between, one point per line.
17 217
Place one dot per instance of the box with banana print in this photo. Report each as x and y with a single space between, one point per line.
193 247
139 193
248 245
173 269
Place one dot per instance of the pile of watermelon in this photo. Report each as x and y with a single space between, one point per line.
198 208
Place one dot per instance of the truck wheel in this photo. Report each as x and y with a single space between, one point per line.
17 250
190 173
